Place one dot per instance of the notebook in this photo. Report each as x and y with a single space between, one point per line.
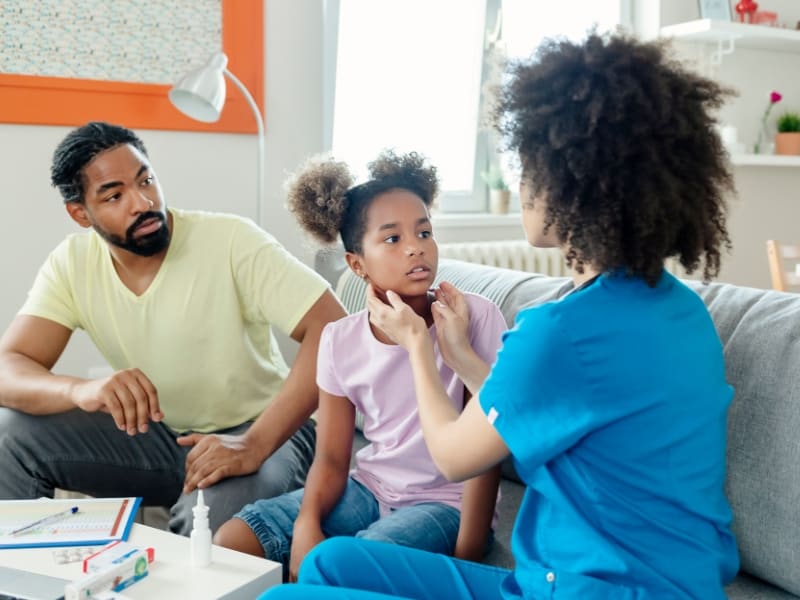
65 522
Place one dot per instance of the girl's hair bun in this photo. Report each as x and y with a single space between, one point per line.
316 194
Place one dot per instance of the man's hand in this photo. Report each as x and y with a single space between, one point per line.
128 396
306 535
215 457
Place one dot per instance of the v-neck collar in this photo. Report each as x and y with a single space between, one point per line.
161 269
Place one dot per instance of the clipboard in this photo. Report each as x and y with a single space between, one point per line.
97 521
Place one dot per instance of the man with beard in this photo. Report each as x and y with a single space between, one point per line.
181 304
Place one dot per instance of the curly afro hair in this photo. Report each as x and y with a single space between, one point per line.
325 204
616 137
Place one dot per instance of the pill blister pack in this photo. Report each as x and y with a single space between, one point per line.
73 554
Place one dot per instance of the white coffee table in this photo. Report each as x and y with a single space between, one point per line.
230 575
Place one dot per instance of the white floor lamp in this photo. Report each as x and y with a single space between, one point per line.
200 94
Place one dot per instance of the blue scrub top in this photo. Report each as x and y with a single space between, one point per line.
613 403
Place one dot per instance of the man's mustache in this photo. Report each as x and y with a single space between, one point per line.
141 219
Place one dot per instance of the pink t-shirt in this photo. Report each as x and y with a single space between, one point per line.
377 378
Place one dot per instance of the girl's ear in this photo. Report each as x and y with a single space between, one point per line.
356 264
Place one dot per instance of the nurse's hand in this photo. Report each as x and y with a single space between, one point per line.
451 316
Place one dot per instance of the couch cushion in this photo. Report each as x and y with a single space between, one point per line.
760 332
745 587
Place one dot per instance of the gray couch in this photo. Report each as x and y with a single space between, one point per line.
760 331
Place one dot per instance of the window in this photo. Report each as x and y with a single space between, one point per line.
525 24
408 74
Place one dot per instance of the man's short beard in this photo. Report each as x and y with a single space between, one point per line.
146 245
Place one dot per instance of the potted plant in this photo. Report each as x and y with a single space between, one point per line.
499 194
787 140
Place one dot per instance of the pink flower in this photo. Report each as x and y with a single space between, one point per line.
774 98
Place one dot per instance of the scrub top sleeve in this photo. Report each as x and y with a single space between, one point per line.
535 396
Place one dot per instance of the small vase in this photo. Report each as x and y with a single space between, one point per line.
764 144
499 201
787 143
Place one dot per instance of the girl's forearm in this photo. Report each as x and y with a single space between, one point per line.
477 512
324 487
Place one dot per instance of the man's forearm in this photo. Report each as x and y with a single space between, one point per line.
299 396
27 386
291 407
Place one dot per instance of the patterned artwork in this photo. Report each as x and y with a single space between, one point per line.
112 40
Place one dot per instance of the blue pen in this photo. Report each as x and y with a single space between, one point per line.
56 517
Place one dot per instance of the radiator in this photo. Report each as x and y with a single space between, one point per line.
521 256
510 254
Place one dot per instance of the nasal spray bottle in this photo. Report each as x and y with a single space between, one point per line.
201 534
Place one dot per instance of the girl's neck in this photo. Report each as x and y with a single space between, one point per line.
421 305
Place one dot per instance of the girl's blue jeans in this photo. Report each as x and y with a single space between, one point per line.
357 569
431 526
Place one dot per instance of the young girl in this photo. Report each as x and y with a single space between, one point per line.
612 401
395 493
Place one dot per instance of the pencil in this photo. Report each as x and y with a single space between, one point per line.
55 517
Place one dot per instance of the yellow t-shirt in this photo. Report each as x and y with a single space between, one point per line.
202 331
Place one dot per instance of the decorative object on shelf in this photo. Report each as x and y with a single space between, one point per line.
745 10
730 139
499 194
718 10
765 17
787 140
762 145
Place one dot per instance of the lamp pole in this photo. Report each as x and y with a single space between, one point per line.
200 94
260 124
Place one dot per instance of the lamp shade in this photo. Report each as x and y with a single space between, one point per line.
200 94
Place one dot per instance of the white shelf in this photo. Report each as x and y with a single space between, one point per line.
727 36
742 35
765 160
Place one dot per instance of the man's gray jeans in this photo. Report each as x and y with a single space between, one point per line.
85 452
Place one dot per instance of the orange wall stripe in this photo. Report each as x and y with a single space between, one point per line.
33 100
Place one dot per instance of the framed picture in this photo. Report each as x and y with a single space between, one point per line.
718 10
63 100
